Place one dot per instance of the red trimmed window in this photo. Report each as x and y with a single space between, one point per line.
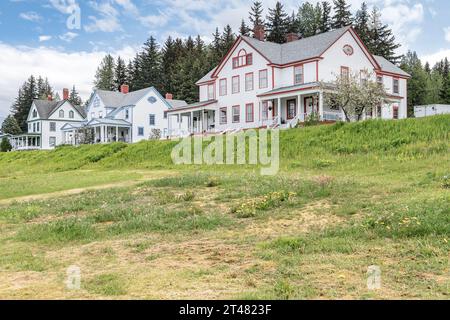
223 115
396 86
243 59
211 92
223 87
395 112
265 110
263 79
379 79
299 77
363 77
345 72
291 109
249 112
249 81
235 84
236 114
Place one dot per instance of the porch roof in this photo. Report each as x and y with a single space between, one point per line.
198 105
288 89
72 126
106 121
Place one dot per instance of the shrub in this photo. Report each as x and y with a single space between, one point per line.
446 182
5 145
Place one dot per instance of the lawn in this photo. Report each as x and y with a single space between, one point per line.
347 197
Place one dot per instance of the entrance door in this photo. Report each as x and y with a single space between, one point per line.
310 106
291 109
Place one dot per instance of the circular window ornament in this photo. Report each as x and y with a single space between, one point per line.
348 50
152 99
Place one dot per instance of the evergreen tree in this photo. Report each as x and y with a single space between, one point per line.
120 77
309 19
227 40
150 66
427 68
361 23
5 145
256 15
74 97
277 24
22 105
342 15
293 25
433 87
10 126
104 78
325 21
44 90
445 90
168 61
244 30
417 84
381 40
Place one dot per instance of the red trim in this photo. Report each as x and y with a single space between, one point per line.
214 91
287 91
253 81
303 73
345 69
226 87
267 79
220 115
207 103
232 85
253 112
395 113
351 48
267 110
317 71
287 109
199 84
393 85
290 64
385 73
232 113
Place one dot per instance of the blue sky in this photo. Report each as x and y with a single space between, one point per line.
36 37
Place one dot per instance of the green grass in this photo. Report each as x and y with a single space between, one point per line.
347 196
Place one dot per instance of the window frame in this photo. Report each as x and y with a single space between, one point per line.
346 70
238 85
50 141
52 125
265 110
238 108
211 94
288 105
221 110
266 78
150 116
252 113
61 114
71 114
225 91
395 85
395 112
139 131
243 59
252 81
302 67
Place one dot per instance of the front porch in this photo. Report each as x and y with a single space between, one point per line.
285 107
97 131
191 120
26 142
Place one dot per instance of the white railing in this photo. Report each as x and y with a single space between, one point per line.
274 122
332 116
294 121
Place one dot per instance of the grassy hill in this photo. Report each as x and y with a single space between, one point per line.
348 196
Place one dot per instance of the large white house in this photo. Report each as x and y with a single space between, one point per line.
264 84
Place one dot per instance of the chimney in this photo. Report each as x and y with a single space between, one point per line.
290 37
65 94
169 96
125 88
49 97
259 33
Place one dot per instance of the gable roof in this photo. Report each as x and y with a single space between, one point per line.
388 66
207 77
114 99
46 108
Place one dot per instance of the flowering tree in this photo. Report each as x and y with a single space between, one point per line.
354 94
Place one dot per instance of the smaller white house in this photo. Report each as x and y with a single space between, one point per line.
124 116
45 121
431 110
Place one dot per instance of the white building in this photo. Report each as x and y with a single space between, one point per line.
431 110
264 84
45 122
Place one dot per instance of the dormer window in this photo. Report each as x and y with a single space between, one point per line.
34 114
61 113
71 115
243 59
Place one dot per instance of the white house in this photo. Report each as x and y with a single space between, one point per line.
264 84
45 122
431 110
124 116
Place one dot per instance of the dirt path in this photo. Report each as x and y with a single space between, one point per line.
147 175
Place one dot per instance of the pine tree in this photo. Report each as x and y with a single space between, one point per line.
325 22
308 18
293 24
74 97
381 40
244 30
22 105
256 15
150 66
277 24
427 68
168 61
445 90
342 15
104 78
120 77
227 40
10 126
361 23
417 84
5 145
216 49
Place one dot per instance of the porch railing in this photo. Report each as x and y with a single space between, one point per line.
332 116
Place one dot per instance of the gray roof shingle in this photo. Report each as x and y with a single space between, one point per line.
113 99
389 66
45 108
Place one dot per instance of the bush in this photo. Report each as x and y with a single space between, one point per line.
5 145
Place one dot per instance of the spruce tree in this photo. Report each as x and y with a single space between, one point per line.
361 23
277 24
227 40
381 40
10 126
74 97
22 105
5 145
168 63
445 90
150 66
256 15
244 30
104 77
325 22
120 77
307 18
342 15
417 84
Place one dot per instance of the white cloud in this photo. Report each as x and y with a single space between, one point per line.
30 16
62 69
68 36
433 58
447 34
44 38
108 20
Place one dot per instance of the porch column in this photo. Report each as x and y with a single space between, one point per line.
117 134
299 108
191 129
279 111
321 105
100 129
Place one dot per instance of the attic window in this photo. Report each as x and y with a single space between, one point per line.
34 114
152 100
96 103
243 59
